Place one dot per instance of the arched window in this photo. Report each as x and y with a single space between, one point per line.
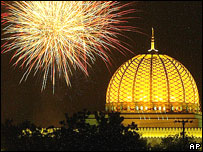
141 107
115 108
121 107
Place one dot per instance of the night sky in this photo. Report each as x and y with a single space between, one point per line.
178 33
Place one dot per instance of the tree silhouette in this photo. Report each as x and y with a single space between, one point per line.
75 134
175 143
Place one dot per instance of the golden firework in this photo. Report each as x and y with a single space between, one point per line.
55 36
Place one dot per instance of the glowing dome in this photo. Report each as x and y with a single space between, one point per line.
152 83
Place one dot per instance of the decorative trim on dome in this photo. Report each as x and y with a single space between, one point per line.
157 108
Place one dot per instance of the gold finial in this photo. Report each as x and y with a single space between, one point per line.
152 42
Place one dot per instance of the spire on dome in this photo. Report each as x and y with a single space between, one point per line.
152 42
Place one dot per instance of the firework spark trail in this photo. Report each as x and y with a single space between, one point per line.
55 36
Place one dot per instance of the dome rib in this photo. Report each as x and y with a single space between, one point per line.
150 82
180 78
191 81
110 85
133 90
167 81
126 67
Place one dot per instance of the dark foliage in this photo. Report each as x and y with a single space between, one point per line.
76 135
175 143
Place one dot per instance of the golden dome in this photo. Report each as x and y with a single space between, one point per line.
152 83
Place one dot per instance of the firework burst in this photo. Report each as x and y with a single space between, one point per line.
57 36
